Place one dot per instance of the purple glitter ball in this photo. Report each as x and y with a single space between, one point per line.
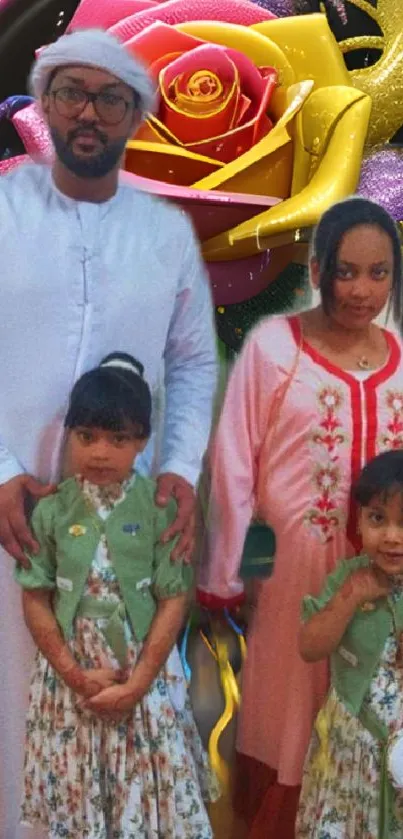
13 104
281 8
382 181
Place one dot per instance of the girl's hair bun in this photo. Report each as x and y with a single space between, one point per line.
113 396
124 361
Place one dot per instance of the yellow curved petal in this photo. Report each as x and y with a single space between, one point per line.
257 47
310 47
153 131
266 168
335 175
165 162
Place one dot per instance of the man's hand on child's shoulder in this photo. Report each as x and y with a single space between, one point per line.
174 486
15 534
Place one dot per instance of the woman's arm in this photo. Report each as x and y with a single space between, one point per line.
234 462
162 635
322 633
42 624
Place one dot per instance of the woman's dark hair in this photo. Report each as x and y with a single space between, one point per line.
382 477
112 397
334 224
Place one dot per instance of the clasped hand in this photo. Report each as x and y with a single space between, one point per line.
107 693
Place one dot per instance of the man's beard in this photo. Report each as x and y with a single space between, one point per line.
96 166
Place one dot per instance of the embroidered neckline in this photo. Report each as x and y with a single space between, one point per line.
107 496
377 376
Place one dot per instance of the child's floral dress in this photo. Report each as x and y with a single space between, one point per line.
89 778
343 803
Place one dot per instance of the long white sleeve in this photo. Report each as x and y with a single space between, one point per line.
9 465
190 368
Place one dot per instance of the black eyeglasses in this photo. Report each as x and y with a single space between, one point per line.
70 102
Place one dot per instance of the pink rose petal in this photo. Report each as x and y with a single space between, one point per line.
252 81
180 11
159 39
185 125
92 13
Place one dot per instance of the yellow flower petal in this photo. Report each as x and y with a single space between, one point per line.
249 173
259 48
169 163
309 45
342 148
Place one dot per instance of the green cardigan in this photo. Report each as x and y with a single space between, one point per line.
354 662
68 532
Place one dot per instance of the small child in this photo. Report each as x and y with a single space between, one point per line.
353 780
112 750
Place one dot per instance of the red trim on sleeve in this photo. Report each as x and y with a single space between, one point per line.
215 603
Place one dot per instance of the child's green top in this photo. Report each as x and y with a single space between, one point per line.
354 662
68 531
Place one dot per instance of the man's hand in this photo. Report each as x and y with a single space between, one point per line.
174 486
15 535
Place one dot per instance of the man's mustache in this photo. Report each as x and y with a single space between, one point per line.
87 129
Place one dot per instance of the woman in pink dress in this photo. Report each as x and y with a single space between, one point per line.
310 400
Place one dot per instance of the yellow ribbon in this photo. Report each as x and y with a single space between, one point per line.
232 699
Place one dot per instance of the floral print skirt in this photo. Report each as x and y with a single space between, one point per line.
342 801
86 778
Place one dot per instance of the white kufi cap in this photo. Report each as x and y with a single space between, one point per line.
94 48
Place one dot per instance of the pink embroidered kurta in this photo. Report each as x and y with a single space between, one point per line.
294 434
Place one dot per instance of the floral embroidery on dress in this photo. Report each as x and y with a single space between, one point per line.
392 438
326 439
329 433
325 515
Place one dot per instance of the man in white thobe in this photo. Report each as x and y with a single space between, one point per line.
88 266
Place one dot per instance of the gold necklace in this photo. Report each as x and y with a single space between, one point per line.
363 363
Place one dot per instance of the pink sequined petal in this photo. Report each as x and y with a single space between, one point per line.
11 163
34 133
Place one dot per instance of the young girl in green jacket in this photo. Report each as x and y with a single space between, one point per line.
353 780
112 750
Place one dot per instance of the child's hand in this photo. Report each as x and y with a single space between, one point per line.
91 682
366 585
113 702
